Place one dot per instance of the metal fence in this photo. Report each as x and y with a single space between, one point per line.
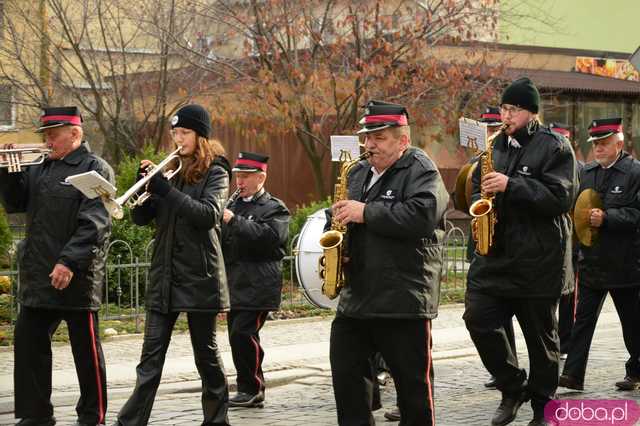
127 276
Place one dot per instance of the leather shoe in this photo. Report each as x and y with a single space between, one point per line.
570 383
538 421
40 421
393 414
491 384
629 383
243 399
508 408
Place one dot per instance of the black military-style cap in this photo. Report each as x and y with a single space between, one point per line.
58 117
250 162
491 116
379 115
561 128
604 127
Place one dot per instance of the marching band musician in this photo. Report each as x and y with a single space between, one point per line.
187 272
62 270
255 233
612 264
529 264
567 304
394 240
492 118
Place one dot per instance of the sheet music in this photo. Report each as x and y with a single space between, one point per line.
92 184
473 134
340 143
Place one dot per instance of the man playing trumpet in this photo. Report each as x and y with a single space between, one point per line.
62 270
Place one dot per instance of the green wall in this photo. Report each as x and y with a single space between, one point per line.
607 25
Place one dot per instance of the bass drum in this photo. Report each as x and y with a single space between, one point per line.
308 253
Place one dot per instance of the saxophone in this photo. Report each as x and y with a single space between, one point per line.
484 214
332 241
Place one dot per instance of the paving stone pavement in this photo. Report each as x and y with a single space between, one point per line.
306 396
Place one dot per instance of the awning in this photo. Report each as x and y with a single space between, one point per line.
576 82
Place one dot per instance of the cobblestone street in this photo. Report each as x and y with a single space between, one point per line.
299 391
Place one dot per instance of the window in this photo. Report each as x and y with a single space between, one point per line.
7 108
588 111
635 128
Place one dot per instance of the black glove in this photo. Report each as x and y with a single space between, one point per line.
159 185
141 173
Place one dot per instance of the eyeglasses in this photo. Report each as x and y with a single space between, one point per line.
509 109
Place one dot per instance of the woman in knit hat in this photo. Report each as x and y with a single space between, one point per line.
187 268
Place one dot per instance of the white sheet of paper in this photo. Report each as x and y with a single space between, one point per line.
340 143
91 184
473 134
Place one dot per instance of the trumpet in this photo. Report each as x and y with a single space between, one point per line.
132 197
23 155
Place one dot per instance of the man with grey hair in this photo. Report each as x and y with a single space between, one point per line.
61 270
612 264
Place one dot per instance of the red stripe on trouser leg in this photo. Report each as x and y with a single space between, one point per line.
96 366
428 377
256 345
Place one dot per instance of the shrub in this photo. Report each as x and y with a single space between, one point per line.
138 237
5 238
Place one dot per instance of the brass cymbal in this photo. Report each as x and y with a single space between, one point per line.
462 199
587 200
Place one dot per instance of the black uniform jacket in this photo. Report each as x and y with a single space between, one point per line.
63 226
255 242
395 256
187 268
532 249
614 259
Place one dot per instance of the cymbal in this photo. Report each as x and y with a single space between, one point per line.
462 199
587 200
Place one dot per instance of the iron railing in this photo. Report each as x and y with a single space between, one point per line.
127 273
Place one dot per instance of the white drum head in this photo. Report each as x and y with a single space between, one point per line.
308 252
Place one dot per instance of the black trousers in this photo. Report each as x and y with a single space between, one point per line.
590 303
244 338
405 345
32 368
485 316
157 335
566 318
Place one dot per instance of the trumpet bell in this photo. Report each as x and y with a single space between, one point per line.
587 200
115 210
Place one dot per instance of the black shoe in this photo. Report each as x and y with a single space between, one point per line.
570 383
79 423
538 421
243 399
508 408
629 383
40 421
491 384
393 414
